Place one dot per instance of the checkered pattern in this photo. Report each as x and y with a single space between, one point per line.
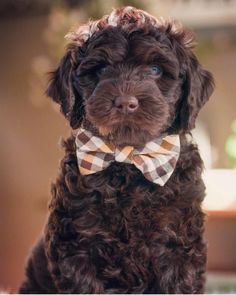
157 160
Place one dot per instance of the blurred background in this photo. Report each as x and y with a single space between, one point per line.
32 42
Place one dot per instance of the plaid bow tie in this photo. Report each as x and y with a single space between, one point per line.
157 160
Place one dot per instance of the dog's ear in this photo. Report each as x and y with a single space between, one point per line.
62 91
198 83
197 88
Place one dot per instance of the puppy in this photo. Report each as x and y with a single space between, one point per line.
125 214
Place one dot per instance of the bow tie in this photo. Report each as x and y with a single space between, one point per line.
156 160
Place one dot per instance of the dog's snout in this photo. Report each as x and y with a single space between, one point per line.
126 104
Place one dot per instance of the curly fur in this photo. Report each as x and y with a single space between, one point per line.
114 231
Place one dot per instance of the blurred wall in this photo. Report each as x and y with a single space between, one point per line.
29 151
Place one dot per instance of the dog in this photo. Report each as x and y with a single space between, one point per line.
125 214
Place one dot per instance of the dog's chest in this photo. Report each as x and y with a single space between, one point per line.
126 204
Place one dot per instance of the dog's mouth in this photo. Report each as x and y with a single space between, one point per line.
124 132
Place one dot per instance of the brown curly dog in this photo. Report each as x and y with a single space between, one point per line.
126 80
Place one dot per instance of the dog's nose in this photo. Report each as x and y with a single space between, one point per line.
127 104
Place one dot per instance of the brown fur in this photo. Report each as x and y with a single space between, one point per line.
114 231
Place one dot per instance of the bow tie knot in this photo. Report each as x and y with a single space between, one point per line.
156 160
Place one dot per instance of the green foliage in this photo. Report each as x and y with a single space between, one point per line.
230 146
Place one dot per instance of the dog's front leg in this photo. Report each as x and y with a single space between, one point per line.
70 263
181 270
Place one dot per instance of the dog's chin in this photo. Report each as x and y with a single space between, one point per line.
125 133
130 134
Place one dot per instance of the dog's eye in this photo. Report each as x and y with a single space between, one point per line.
101 70
156 70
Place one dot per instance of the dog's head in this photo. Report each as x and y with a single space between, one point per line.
129 77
